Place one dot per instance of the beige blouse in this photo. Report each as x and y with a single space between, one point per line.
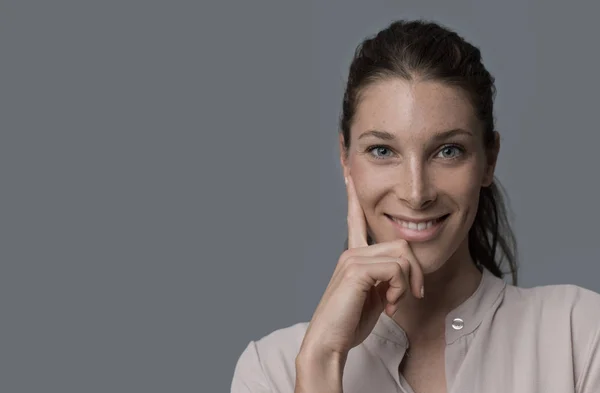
501 339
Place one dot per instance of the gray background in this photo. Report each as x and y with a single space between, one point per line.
170 177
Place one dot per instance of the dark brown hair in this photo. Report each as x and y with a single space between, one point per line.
425 50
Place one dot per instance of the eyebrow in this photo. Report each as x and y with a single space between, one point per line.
387 136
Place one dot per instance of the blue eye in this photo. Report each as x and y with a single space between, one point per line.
451 151
379 151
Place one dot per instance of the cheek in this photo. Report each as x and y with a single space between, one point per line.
371 184
463 186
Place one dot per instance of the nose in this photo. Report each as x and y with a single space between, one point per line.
415 186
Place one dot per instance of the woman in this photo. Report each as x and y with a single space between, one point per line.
417 302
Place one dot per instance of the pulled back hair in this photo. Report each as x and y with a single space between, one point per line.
423 50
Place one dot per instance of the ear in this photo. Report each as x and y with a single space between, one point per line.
492 158
343 156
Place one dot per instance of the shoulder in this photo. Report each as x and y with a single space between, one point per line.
579 304
562 318
269 363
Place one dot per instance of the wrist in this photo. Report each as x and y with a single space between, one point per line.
319 372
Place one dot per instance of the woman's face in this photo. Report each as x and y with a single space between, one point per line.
418 162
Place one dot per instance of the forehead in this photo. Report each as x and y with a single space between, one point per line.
413 108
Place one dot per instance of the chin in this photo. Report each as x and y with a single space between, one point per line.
430 258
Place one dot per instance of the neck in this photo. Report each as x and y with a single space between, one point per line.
424 320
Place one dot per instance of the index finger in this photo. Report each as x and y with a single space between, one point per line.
401 249
357 224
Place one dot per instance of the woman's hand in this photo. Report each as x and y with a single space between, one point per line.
366 281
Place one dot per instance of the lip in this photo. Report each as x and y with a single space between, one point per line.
413 235
417 220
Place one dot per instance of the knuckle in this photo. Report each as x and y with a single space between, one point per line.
351 260
404 263
345 256
402 243
352 271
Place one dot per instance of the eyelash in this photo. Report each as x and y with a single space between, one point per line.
458 147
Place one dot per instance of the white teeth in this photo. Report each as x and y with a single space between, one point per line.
416 226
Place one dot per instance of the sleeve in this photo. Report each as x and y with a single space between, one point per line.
589 380
248 376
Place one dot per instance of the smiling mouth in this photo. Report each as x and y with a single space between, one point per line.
418 226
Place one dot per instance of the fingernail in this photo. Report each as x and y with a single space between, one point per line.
422 292
346 180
